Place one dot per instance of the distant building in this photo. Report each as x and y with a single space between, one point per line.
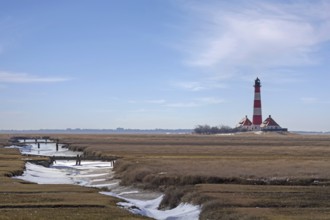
270 125
245 124
257 125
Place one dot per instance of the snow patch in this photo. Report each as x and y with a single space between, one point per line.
150 208
66 172
43 175
98 174
45 149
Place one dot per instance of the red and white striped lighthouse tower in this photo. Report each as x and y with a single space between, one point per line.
257 116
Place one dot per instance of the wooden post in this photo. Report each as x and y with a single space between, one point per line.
38 145
56 146
78 160
52 160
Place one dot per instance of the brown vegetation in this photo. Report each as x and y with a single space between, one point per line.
24 200
281 175
5 139
265 202
175 163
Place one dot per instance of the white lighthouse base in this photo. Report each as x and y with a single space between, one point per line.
255 128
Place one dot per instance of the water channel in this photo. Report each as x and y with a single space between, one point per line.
96 174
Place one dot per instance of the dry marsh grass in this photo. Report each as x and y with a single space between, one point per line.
244 156
265 202
24 200
245 176
270 176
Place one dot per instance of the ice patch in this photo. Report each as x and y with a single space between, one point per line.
66 172
97 174
150 208
42 175
126 193
45 149
225 134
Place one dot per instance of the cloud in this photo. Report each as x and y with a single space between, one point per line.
199 86
196 103
210 100
140 110
258 34
156 101
182 105
8 77
192 86
312 101
309 100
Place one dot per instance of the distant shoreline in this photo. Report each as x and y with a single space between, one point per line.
126 131
99 131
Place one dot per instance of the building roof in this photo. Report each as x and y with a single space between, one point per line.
269 122
245 122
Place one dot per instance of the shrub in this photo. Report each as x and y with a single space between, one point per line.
135 176
121 166
222 129
172 197
191 180
153 181
195 198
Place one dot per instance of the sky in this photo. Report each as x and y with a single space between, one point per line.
103 64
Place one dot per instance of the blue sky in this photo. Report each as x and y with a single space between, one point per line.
162 64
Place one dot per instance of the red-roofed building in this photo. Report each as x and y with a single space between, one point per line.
270 125
245 124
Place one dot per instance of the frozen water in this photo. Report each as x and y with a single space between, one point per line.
43 175
45 149
150 208
89 173
98 174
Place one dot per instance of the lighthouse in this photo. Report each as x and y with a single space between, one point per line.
257 115
257 124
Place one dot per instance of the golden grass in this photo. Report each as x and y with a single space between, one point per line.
4 139
298 164
271 202
276 176
23 200
281 156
